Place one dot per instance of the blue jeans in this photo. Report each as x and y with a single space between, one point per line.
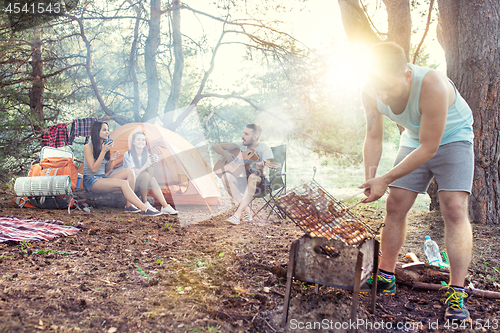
89 180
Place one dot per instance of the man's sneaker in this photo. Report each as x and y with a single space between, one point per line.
168 210
248 217
132 209
148 205
150 212
233 220
456 309
384 286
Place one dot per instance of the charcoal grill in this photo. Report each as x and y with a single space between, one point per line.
337 250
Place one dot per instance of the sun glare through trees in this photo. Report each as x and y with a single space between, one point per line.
348 66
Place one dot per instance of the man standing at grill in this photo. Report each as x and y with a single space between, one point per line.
437 141
243 188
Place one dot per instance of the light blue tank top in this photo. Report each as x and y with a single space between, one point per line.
88 172
458 122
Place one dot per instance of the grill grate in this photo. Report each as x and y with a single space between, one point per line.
319 214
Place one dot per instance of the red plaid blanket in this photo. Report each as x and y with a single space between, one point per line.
32 229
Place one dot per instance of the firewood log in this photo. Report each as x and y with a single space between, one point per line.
427 274
114 199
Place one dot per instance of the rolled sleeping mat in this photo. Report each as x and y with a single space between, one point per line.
42 186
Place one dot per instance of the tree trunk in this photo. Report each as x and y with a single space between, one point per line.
174 125
88 67
175 89
427 273
399 23
37 88
150 48
356 24
469 31
432 191
132 65
96 200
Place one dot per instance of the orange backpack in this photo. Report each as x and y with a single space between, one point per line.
56 166
52 166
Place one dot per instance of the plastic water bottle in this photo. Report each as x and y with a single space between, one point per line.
431 250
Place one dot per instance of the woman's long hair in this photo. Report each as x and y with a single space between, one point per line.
144 156
96 140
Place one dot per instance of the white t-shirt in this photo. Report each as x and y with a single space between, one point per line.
128 161
263 151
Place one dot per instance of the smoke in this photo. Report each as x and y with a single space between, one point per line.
199 176
277 126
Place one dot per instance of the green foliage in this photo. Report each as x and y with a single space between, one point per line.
422 58
24 245
51 251
208 328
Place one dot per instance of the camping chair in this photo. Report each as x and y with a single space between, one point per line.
277 185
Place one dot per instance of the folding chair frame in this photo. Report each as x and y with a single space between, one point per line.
270 203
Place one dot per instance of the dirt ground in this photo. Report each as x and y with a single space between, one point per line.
126 273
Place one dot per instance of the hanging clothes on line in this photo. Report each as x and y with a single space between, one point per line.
81 127
56 136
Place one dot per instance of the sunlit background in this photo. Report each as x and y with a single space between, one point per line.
309 101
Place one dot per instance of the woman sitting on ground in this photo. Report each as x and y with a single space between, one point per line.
138 159
98 164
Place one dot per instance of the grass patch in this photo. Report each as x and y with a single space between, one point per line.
54 252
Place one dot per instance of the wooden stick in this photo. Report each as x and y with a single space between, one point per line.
354 195
472 292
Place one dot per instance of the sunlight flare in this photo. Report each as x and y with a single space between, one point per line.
349 65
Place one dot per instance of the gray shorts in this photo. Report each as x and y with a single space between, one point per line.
453 167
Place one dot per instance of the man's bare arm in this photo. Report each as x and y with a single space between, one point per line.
434 109
224 149
372 147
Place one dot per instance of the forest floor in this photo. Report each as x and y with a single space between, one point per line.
126 273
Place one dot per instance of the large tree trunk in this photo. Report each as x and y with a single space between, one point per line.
37 87
175 89
132 65
152 43
469 31
399 23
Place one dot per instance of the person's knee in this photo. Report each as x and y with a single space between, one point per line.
254 179
454 211
144 182
130 172
397 205
228 179
153 184
124 184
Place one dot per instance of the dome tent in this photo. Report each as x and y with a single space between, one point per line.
181 171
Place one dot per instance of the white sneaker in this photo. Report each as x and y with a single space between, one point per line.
169 210
151 207
233 219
